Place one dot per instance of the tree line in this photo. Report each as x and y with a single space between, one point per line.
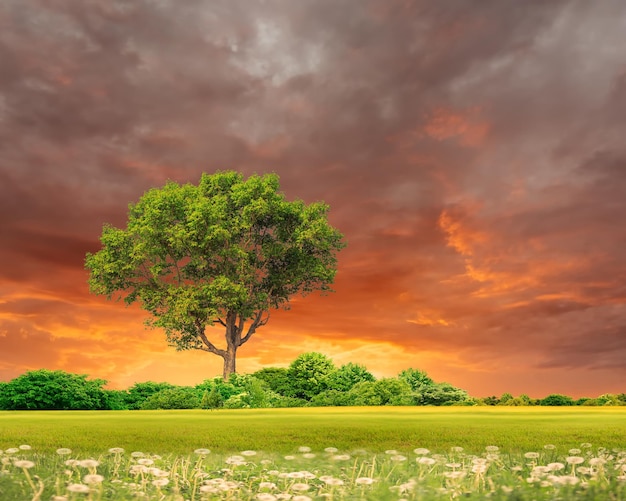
311 379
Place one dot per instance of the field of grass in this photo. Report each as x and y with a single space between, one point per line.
340 454
283 430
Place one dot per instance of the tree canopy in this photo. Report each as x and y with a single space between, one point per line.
224 252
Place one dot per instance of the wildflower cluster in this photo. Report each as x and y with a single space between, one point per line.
308 475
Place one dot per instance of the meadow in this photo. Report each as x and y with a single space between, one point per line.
306 454
515 429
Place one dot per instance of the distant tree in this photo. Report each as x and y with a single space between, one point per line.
522 400
344 378
53 390
173 398
225 388
415 378
277 379
622 398
504 398
115 400
330 398
4 402
492 400
204 401
214 398
364 393
385 391
253 388
608 399
587 402
441 394
308 375
282 401
224 252
138 393
557 400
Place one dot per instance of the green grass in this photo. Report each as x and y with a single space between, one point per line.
283 430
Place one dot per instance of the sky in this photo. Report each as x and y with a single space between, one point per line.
472 153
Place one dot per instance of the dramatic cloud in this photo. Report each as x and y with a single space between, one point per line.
471 152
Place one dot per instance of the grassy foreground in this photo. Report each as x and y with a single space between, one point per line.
284 430
358 454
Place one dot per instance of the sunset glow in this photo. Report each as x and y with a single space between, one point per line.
472 154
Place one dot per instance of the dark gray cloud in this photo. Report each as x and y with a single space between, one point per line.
472 153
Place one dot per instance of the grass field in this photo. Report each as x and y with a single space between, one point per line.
330 454
283 430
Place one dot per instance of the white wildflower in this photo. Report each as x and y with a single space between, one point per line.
93 479
23 463
300 487
78 488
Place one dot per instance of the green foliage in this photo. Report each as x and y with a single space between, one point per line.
492 400
608 399
138 393
115 400
386 391
441 394
212 399
204 401
225 251
53 390
504 398
344 378
277 379
308 375
557 400
181 397
225 388
415 378
252 391
330 398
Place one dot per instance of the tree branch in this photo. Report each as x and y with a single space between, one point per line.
209 345
219 320
259 321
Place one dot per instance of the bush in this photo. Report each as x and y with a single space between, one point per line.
225 389
308 375
344 378
182 397
53 390
330 398
386 391
441 394
415 378
276 379
557 400
138 393
212 399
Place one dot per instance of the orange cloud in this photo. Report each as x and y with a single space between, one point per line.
467 128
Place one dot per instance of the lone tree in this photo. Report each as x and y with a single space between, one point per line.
224 252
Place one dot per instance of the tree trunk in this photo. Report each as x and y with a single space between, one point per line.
229 363
233 341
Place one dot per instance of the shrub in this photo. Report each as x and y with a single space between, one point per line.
276 378
173 398
557 400
308 375
441 394
138 393
53 390
415 378
344 378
